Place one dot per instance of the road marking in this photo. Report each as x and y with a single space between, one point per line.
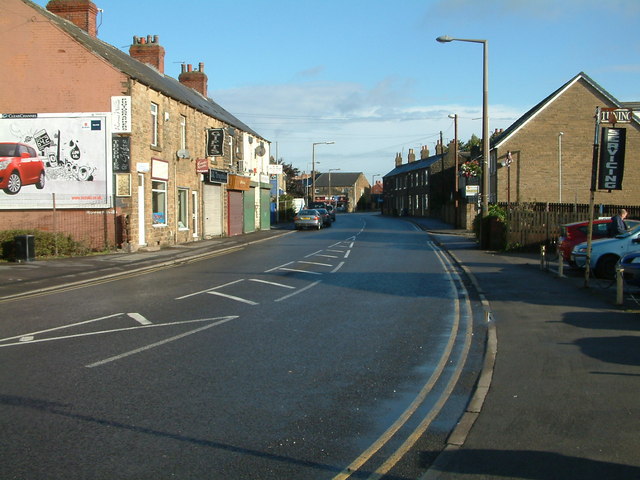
33 334
115 330
300 271
162 342
139 318
338 267
312 254
346 254
276 268
298 291
335 251
316 263
209 289
232 297
270 283
327 256
426 389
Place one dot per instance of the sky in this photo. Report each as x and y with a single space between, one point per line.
369 74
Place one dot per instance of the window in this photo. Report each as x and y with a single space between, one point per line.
183 221
183 132
159 202
154 124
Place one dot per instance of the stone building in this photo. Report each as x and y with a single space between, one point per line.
348 190
172 165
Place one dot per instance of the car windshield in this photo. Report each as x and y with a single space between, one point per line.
322 210
307 212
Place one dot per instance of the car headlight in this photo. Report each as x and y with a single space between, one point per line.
4 164
580 250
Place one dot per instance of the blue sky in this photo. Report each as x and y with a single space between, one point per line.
369 75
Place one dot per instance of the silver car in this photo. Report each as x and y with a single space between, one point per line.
308 219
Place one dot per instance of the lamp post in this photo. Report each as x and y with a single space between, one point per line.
455 172
330 196
313 167
560 166
485 115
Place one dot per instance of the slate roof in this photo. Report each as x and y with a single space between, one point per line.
417 165
144 73
338 179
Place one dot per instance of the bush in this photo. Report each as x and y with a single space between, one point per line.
46 244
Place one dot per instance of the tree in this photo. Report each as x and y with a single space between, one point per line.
293 184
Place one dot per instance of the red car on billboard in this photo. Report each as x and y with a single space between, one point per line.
19 165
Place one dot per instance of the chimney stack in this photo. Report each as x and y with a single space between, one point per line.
195 79
439 148
398 159
148 50
82 13
412 156
424 152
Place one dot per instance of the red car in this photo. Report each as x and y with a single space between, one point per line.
19 165
575 233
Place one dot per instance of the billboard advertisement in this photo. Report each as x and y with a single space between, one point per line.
59 160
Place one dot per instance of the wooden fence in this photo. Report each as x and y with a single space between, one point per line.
530 225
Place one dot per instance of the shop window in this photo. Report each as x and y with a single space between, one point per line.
183 209
159 202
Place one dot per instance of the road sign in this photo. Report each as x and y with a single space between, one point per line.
616 115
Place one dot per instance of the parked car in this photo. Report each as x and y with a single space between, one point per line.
326 217
607 252
572 234
307 219
19 165
631 265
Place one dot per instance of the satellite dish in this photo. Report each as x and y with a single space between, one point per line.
260 150
182 153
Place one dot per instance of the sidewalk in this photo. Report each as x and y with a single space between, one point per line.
561 400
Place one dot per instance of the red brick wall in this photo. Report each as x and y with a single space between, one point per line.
48 71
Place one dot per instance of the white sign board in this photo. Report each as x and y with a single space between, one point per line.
121 114
274 169
73 149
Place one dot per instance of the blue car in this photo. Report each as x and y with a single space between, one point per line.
631 265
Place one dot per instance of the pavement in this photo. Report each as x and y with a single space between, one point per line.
559 394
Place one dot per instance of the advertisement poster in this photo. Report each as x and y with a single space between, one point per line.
72 150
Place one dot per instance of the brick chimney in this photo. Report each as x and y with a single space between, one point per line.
148 50
411 157
439 148
82 13
398 159
195 79
424 152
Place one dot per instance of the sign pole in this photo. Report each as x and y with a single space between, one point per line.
594 175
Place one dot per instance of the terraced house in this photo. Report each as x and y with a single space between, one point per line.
132 157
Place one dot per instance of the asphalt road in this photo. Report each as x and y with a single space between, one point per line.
330 354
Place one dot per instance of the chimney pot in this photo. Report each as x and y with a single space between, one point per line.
148 50
82 13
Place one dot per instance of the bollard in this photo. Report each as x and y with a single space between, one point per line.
560 262
619 285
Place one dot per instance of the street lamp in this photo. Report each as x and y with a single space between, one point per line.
330 196
455 172
485 115
313 166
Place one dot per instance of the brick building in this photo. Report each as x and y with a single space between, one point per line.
172 165
546 155
348 190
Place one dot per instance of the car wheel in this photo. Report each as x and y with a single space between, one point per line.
40 184
14 184
606 267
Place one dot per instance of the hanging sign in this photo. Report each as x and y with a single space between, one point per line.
612 159
215 142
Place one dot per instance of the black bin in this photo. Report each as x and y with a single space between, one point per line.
25 248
